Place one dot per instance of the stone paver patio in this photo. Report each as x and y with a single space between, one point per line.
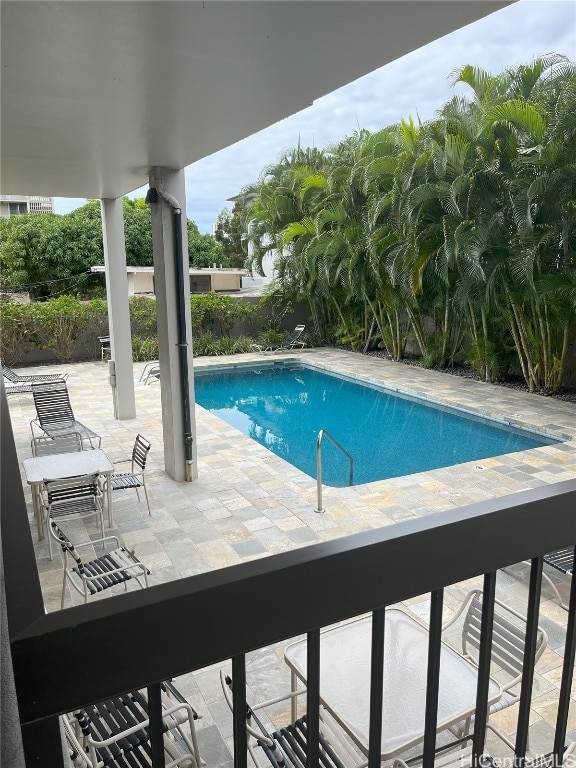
248 503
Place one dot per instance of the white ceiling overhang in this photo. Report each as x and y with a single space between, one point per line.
95 93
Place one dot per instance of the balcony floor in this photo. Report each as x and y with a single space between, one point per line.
248 503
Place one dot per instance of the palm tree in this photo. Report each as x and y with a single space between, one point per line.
459 232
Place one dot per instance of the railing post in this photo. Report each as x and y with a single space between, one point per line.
484 658
319 508
239 712
156 725
433 678
313 697
534 589
376 688
567 675
42 743
335 442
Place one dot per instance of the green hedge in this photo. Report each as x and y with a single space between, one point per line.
70 327
59 325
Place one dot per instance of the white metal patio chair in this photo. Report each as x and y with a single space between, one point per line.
71 498
116 733
101 573
105 347
508 642
47 446
125 481
287 747
54 414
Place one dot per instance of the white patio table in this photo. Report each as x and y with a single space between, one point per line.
345 681
59 465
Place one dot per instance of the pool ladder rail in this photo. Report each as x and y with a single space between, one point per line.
324 433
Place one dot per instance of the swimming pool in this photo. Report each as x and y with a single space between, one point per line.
284 407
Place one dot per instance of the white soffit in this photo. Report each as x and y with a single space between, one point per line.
94 93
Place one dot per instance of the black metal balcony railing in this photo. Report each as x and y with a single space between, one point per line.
92 652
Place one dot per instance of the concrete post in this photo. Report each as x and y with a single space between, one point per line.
118 311
172 182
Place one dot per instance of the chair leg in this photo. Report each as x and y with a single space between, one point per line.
501 735
63 589
146 494
555 590
47 525
196 751
101 515
139 580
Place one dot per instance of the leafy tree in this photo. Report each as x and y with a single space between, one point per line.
137 232
50 255
204 251
231 231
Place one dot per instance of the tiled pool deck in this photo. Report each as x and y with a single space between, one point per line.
248 503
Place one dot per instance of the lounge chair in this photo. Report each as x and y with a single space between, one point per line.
32 378
18 389
291 344
54 413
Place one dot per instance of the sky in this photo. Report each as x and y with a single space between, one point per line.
415 85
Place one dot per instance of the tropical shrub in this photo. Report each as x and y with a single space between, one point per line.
62 323
67 325
271 338
206 343
490 361
243 344
144 348
142 316
217 313
14 331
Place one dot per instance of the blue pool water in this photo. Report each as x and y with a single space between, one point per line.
388 436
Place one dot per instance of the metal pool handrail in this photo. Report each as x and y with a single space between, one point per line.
321 434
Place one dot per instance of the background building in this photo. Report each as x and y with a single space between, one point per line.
14 205
141 280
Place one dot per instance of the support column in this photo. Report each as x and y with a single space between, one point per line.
166 280
118 310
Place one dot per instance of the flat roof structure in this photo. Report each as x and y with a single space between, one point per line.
94 94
